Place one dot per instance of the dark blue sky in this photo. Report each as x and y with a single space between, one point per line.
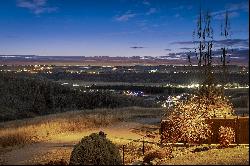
112 27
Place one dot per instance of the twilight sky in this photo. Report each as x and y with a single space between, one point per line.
116 27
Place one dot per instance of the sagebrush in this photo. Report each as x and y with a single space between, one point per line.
95 149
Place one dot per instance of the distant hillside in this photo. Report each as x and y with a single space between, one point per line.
22 97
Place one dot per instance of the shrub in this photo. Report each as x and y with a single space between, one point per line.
200 149
57 162
226 136
187 122
95 149
157 154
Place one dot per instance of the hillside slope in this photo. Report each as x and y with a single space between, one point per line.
22 97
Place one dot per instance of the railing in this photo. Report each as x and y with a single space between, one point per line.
140 150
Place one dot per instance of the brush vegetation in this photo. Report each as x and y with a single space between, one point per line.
40 128
95 149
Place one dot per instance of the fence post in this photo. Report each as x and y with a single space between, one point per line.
143 147
237 131
123 149
209 140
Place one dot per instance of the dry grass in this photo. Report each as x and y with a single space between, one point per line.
11 138
238 155
74 122
229 156
37 129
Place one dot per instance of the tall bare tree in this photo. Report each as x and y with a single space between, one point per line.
226 34
203 34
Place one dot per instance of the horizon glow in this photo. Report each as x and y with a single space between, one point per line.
122 28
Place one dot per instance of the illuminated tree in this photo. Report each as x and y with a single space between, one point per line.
187 122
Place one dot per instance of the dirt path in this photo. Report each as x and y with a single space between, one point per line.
60 146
